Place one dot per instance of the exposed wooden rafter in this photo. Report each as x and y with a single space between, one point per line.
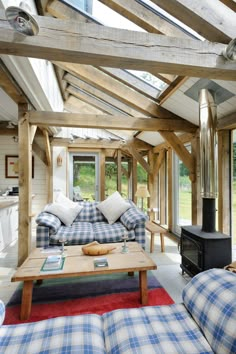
117 90
202 17
94 44
63 119
180 150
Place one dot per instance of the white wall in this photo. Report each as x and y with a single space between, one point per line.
39 182
60 173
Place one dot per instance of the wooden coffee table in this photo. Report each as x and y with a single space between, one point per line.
77 264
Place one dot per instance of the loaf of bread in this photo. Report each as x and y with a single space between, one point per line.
96 249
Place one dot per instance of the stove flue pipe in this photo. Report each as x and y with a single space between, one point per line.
208 158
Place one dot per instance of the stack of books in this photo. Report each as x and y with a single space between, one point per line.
53 263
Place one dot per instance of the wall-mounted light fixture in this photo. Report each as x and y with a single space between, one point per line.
15 139
20 19
59 160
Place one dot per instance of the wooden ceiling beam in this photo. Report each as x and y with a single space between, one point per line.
158 162
227 122
184 138
117 90
179 149
105 46
40 153
132 81
143 17
62 11
9 85
134 152
74 105
63 119
230 3
86 87
93 101
202 17
47 147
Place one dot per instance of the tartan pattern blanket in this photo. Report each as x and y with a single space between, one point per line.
204 323
90 225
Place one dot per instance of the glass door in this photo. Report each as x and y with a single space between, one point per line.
84 176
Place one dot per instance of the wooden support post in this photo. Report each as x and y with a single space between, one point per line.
102 174
169 184
163 193
25 184
152 185
224 181
118 170
134 179
196 185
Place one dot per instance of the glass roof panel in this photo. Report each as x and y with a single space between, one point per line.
150 79
171 19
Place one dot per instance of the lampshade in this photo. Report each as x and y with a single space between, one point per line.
142 192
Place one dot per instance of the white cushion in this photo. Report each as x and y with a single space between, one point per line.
65 214
113 207
64 201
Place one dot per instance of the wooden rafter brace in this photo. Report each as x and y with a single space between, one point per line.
47 147
181 151
139 157
158 161
39 152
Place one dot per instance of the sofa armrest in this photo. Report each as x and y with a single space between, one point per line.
49 220
42 236
210 299
132 218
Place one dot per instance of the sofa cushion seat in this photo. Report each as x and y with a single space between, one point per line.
78 232
104 232
72 334
160 329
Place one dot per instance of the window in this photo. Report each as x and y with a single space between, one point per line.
182 189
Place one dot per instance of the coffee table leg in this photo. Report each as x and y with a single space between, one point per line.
143 287
26 300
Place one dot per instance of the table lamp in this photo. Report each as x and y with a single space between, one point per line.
142 192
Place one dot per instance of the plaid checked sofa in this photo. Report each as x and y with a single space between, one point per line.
90 225
204 323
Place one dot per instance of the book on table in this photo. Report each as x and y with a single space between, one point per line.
53 263
100 262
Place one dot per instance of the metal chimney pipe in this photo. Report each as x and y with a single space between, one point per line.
208 158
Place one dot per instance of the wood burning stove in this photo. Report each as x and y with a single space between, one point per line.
201 247
201 250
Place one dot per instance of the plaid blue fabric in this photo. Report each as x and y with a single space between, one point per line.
90 213
2 312
132 217
78 233
104 232
49 220
210 297
160 329
75 334
50 229
140 234
42 236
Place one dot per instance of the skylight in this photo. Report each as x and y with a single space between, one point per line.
110 18
150 79
172 19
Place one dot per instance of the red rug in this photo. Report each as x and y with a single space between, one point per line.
75 296
98 305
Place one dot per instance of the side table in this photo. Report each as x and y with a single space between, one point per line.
154 229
